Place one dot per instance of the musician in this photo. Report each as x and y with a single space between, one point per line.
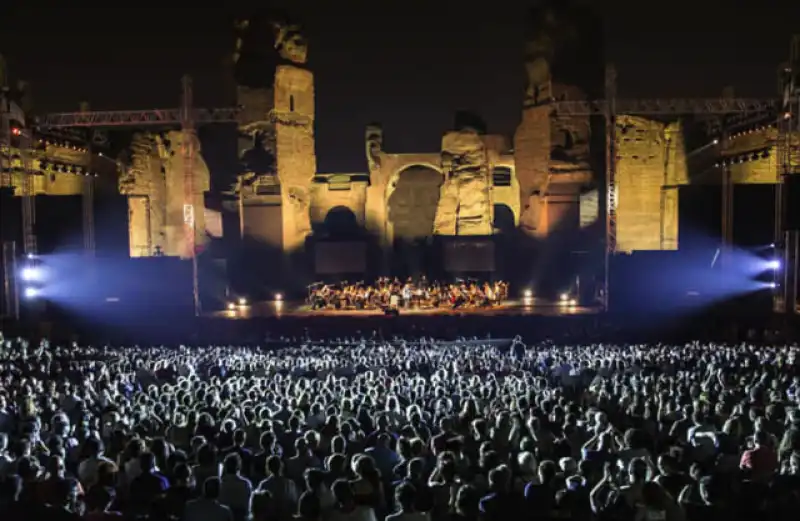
406 293
391 293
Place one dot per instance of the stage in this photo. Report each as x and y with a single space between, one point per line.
512 308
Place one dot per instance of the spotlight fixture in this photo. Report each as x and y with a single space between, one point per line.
231 306
278 297
527 293
31 293
242 301
29 274
774 265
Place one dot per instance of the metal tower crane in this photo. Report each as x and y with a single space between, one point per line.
742 108
187 117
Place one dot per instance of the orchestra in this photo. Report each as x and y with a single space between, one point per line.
393 294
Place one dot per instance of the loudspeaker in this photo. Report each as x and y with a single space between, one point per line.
391 312
792 211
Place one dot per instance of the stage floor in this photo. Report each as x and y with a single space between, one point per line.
301 309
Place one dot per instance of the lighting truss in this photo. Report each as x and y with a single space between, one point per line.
678 106
129 118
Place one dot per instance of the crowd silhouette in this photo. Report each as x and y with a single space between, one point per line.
411 430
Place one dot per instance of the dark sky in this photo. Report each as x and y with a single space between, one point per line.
408 64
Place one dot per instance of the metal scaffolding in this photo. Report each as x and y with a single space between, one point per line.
788 161
189 218
661 107
136 118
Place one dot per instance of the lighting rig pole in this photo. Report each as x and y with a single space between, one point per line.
190 223
611 179
87 202
788 164
727 204
9 248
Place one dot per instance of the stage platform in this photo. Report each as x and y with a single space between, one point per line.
514 308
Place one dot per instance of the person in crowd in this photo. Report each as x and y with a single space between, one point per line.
408 429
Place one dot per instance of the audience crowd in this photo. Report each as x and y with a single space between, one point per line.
364 430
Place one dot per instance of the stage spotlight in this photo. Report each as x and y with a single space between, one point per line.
527 293
30 274
31 293
30 255
242 301
772 285
573 302
774 265
231 306
564 297
278 297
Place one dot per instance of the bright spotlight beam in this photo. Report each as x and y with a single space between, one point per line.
31 293
30 274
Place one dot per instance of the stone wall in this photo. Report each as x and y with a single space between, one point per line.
331 191
295 156
143 182
382 182
154 184
465 202
175 198
651 163
278 124
532 147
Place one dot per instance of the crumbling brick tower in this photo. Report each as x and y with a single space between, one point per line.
276 129
556 157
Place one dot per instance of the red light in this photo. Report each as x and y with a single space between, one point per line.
16 132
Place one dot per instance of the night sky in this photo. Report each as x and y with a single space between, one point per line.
407 64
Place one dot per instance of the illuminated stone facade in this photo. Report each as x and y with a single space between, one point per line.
154 185
651 165
549 179
276 146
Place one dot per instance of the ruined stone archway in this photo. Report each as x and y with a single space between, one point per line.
504 220
340 223
412 200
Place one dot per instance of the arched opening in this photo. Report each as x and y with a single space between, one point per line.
411 209
503 219
291 103
340 223
563 144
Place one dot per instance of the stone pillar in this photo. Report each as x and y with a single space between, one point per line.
295 157
144 183
465 202
375 197
532 144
